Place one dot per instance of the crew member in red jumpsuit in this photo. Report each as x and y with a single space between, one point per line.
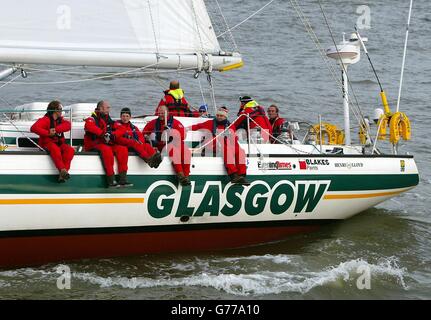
227 141
276 121
127 134
166 129
99 136
51 129
258 119
177 104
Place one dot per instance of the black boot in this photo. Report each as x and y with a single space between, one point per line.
122 181
110 181
63 176
155 160
183 180
235 178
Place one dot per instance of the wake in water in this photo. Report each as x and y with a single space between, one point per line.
233 275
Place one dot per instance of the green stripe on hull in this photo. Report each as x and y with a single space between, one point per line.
82 184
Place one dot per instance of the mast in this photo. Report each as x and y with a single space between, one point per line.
346 53
346 105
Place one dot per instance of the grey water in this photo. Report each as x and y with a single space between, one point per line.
282 66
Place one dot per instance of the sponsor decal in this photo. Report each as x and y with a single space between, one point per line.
403 165
349 165
302 165
277 165
312 164
164 199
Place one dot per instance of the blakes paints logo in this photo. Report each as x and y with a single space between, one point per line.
312 164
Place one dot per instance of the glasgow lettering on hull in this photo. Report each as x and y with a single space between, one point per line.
165 199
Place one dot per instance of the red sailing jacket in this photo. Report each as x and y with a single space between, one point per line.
277 124
178 107
157 127
213 127
127 133
42 126
258 115
95 128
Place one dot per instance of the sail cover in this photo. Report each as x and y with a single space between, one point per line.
104 31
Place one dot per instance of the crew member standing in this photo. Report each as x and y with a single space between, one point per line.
175 101
51 129
127 134
99 136
258 119
227 142
168 130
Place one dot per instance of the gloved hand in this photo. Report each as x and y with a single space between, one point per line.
109 137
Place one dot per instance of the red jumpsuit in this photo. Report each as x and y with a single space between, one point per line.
259 117
95 128
127 134
60 152
178 152
177 104
233 155
276 124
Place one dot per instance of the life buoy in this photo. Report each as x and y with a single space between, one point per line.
330 131
383 124
399 127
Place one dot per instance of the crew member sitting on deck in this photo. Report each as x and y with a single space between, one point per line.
275 121
127 134
51 129
99 137
177 104
170 133
258 119
227 143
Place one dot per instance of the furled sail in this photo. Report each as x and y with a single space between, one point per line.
166 34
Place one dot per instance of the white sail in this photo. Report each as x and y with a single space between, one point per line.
132 33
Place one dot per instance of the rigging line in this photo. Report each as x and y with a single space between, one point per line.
90 79
245 20
154 31
22 133
344 69
201 90
319 47
227 26
404 55
315 39
197 27
10 81
210 82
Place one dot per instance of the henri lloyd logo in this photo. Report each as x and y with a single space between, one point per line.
165 199
312 164
349 165
277 165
